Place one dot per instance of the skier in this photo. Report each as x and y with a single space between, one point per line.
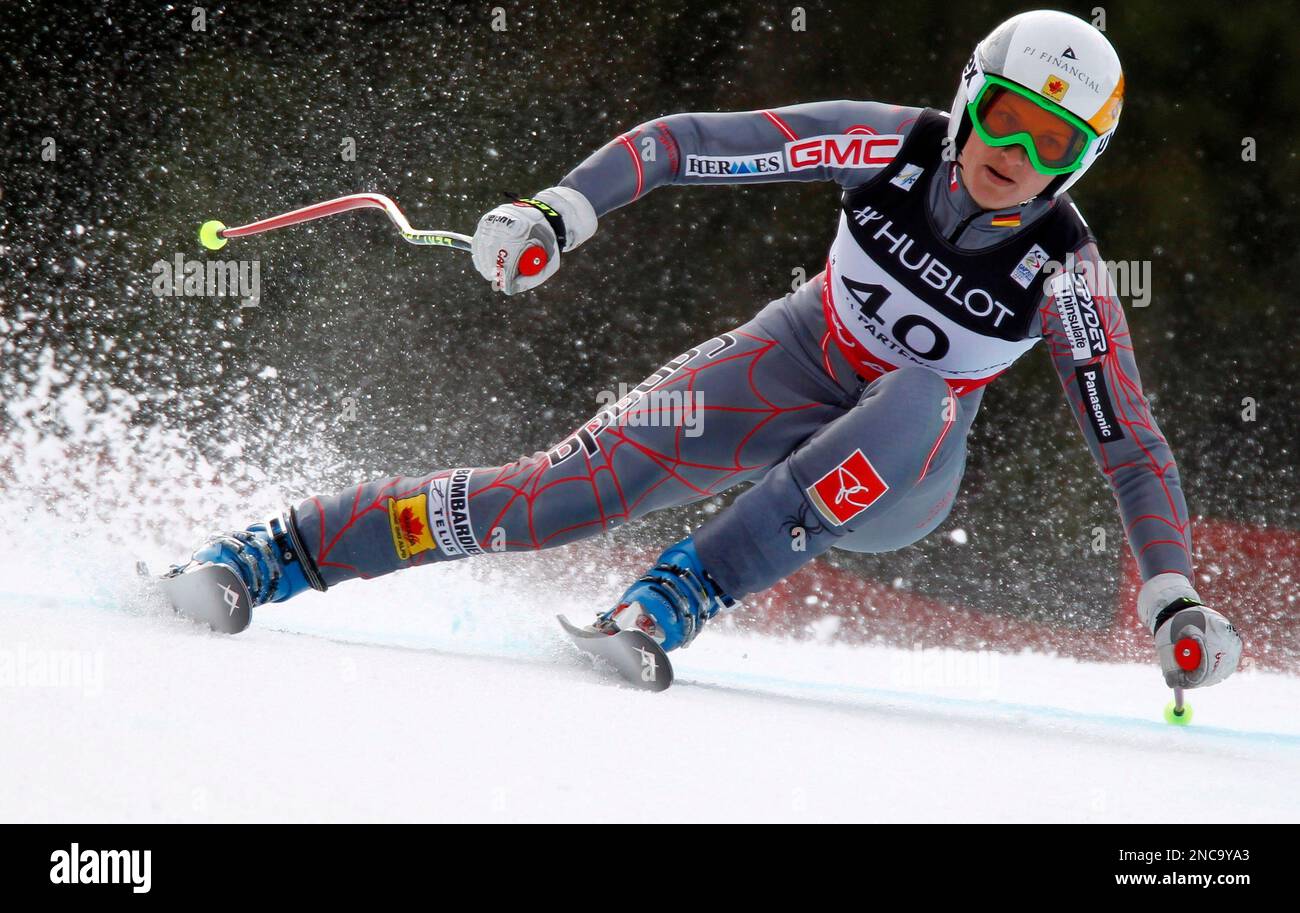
846 403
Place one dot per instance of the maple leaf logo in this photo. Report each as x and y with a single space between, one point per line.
1055 87
412 528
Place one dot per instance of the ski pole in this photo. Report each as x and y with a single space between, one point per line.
1187 653
214 234
1178 712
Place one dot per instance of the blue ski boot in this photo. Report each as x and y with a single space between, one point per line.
266 556
671 602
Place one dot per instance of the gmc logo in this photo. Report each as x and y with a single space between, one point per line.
843 151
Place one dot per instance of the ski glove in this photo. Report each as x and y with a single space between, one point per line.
1169 608
517 245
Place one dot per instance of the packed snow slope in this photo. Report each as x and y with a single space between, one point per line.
449 694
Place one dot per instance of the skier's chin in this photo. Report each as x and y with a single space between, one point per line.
991 189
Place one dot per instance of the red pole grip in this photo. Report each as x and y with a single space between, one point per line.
533 260
1187 653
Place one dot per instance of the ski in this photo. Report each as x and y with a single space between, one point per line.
634 654
210 594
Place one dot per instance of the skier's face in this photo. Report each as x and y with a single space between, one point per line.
999 176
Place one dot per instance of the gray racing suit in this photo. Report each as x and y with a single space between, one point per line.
846 403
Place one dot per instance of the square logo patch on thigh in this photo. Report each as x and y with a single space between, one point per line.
408 519
848 489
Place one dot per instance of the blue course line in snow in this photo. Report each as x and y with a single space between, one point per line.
515 648
505 648
1281 739
519 649
79 601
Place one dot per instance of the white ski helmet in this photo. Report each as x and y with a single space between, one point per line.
1058 57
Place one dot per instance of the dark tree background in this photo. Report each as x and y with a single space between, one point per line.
159 127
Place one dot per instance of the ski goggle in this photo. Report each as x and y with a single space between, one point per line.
1006 114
